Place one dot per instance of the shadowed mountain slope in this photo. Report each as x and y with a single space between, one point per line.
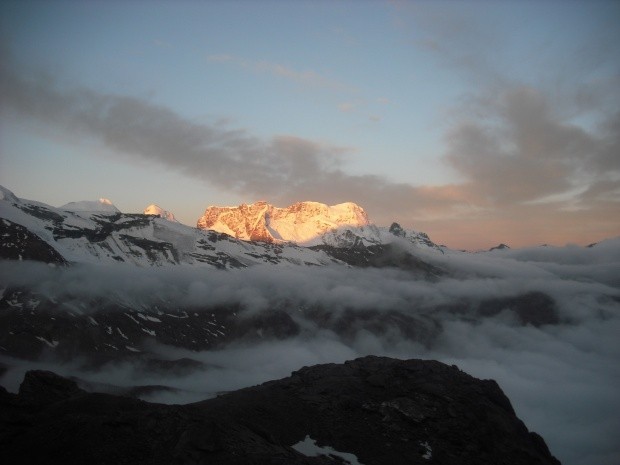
372 410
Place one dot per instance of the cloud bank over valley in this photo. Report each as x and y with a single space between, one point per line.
543 322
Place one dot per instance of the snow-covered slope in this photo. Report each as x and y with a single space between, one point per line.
101 205
7 195
80 234
307 233
345 225
158 211
303 223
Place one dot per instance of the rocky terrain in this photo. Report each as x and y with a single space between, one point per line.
303 222
369 411
97 232
310 224
138 307
94 232
95 245
94 235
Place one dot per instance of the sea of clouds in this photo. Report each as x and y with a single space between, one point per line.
563 379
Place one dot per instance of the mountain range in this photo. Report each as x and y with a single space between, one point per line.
307 233
95 233
93 241
139 305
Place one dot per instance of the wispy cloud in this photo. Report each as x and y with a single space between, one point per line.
346 107
304 77
530 146
516 151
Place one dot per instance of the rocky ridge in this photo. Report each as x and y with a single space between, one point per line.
309 224
95 232
368 411
302 222
121 325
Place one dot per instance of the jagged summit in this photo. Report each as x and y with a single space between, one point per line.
97 231
158 211
301 222
345 225
101 205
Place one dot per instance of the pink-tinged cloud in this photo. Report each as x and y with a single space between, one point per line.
304 77
513 161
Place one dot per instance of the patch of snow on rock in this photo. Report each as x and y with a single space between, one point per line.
429 452
51 344
309 448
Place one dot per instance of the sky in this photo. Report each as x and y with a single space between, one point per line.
477 122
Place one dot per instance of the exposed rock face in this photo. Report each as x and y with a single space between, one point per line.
108 236
372 410
301 222
34 326
45 387
97 231
18 243
415 237
532 308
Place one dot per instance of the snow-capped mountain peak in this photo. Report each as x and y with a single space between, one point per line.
302 222
158 211
345 225
7 195
101 205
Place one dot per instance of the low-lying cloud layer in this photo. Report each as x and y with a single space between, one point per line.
562 378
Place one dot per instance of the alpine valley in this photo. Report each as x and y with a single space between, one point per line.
143 308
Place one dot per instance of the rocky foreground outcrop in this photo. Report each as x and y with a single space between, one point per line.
367 411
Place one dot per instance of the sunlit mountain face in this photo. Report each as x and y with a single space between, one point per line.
223 193
142 305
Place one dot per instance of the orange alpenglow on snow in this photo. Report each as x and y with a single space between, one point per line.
302 222
158 211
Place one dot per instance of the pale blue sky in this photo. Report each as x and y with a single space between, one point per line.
388 89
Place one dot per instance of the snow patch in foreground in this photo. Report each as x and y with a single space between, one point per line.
309 448
429 451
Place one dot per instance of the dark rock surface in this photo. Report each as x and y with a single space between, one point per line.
100 330
18 243
384 411
532 308
499 247
382 256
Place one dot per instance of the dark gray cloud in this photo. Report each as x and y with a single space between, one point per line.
526 130
284 169
228 158
524 152
513 143
536 134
